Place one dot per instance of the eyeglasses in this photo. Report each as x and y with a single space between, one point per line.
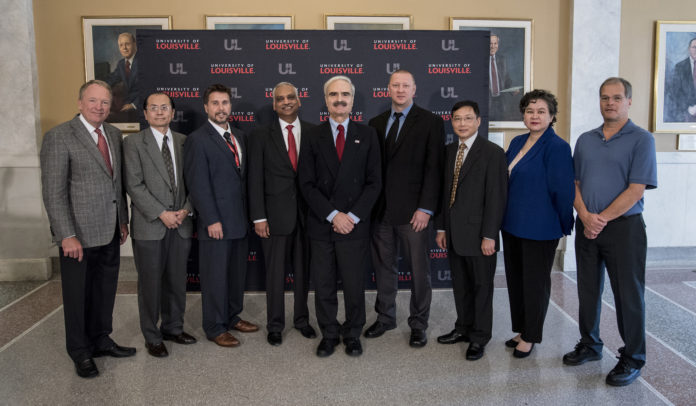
163 108
615 99
466 119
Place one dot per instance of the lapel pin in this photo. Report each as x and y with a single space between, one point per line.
357 141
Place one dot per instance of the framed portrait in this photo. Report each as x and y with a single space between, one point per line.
111 55
367 22
674 104
247 22
509 68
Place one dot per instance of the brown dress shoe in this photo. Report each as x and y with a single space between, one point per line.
245 327
225 340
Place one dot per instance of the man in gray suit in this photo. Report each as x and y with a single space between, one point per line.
86 207
160 224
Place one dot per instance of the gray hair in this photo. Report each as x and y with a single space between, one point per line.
339 77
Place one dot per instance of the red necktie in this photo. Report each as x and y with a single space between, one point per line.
495 90
340 141
104 150
128 69
232 145
292 148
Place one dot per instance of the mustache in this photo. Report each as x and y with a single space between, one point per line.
340 103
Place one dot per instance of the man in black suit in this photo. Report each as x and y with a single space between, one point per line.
502 104
278 211
340 179
473 205
412 145
124 79
215 171
682 97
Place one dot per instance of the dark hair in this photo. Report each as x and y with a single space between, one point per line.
171 102
466 103
216 88
540 94
628 89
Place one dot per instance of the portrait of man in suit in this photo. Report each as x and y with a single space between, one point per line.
279 212
412 143
340 178
215 171
681 100
124 80
473 206
86 206
161 228
502 98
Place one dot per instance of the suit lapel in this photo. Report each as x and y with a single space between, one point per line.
328 149
536 148
150 143
222 144
178 142
86 139
471 157
411 119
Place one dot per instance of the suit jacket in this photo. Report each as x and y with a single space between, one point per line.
682 92
217 188
480 200
411 173
82 199
502 69
274 192
147 183
131 83
350 185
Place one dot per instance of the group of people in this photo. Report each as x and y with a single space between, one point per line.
328 199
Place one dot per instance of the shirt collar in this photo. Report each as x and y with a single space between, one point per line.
295 124
90 127
404 111
334 125
159 136
470 141
219 129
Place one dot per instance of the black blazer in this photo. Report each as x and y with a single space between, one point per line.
683 93
217 188
273 187
479 204
411 173
351 185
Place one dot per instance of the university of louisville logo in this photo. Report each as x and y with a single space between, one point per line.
286 70
448 92
234 94
177 68
232 44
393 67
341 45
179 117
449 45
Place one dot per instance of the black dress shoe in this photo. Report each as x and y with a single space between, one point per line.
326 347
521 354
353 346
453 337
183 338
115 351
474 352
511 343
418 338
377 329
274 338
307 331
86 368
157 350
623 374
580 355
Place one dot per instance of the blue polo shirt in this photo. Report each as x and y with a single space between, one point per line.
606 168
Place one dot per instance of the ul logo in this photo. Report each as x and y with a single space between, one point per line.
393 67
179 117
177 68
233 93
444 275
232 45
341 45
287 70
447 93
448 45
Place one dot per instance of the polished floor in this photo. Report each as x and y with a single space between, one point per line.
35 369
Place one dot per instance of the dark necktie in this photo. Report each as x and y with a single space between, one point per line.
495 89
340 141
104 150
167 158
292 148
457 168
128 69
233 147
393 133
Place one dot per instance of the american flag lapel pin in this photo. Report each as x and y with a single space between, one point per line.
357 141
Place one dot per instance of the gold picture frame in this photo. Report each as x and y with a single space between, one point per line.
367 22
249 22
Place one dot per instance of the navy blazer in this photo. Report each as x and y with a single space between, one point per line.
541 189
130 83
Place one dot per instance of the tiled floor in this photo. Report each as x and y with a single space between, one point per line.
34 368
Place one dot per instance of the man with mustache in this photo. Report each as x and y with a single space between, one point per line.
340 178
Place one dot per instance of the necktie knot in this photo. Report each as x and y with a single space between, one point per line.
290 127
398 115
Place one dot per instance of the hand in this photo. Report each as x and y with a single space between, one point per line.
170 219
181 215
261 229
589 235
441 240
72 248
487 247
594 223
127 107
692 110
343 223
124 233
215 231
419 221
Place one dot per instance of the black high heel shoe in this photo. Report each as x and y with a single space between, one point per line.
511 343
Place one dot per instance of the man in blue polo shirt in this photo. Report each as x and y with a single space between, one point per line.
614 165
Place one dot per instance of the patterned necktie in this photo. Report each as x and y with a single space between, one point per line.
393 132
340 141
232 144
104 150
167 158
457 169
128 69
495 89
292 148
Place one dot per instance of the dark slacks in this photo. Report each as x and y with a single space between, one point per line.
279 250
223 267
349 260
528 265
620 248
472 285
415 248
89 291
161 266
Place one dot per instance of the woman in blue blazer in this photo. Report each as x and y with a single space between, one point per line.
539 212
